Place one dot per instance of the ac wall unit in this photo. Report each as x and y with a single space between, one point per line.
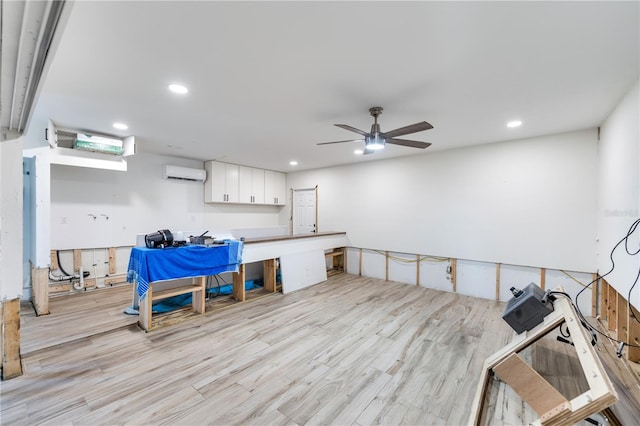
184 173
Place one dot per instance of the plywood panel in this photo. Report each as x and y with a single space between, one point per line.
634 336
40 287
302 270
527 383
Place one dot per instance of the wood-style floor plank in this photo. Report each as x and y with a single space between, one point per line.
351 350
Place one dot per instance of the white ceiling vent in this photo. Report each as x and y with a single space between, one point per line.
184 173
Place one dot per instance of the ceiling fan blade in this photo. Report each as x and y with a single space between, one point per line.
413 128
412 144
352 129
350 140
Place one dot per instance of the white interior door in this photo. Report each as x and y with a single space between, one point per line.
304 211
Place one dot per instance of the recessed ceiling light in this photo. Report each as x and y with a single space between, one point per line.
293 163
120 126
358 152
178 88
514 123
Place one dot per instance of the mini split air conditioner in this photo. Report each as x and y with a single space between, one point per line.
184 173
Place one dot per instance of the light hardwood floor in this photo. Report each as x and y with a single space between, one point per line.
352 350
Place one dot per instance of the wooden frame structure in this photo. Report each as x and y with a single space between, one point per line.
551 406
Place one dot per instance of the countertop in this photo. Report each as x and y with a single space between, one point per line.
290 237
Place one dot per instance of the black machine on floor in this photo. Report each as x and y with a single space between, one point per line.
527 308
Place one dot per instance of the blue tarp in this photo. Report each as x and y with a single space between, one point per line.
150 265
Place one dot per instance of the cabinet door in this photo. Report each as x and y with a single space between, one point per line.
281 189
215 185
257 185
232 172
275 188
244 180
221 185
251 185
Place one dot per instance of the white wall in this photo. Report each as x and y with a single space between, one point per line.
138 201
619 192
11 219
527 202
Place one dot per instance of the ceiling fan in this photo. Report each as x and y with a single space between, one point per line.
375 139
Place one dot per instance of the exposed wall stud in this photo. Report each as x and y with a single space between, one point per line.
54 260
77 260
604 299
497 281
112 260
386 266
622 319
11 361
612 317
594 295
454 267
634 337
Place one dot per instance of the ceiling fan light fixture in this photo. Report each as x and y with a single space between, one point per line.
374 143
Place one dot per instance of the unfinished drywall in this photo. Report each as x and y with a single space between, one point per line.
93 208
527 202
472 278
619 192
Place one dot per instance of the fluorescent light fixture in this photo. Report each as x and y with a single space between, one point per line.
374 143
120 126
293 163
514 123
178 88
358 152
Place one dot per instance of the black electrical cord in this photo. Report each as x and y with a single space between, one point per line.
561 332
217 293
588 326
624 240
60 265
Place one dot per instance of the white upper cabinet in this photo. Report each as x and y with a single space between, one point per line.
221 185
275 188
231 183
251 185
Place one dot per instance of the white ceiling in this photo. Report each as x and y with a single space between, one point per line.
268 80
